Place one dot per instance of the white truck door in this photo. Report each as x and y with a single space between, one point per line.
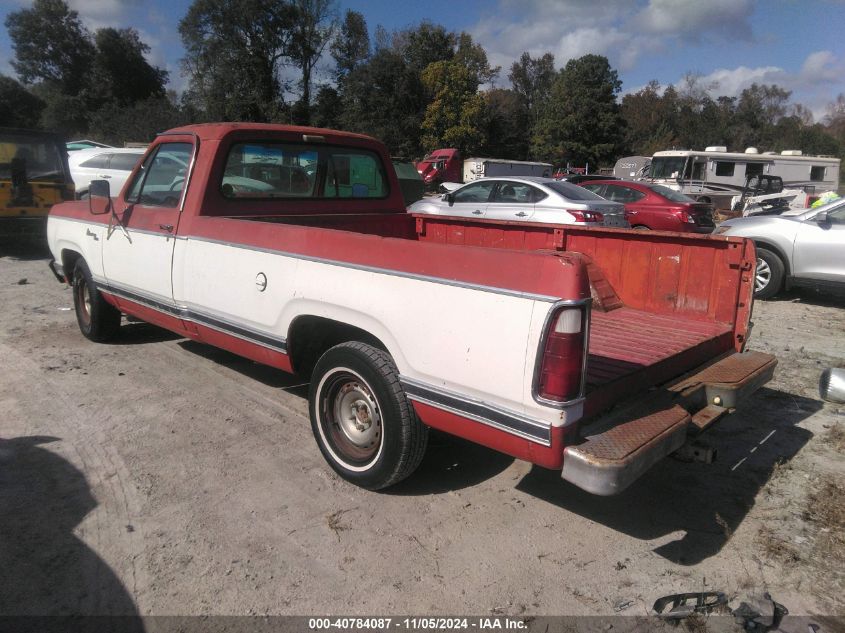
819 249
138 251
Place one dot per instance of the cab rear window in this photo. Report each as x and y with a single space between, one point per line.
262 170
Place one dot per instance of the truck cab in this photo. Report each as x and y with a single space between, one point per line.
442 165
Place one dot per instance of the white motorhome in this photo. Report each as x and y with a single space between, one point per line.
475 168
716 175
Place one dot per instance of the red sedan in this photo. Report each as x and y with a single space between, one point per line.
656 207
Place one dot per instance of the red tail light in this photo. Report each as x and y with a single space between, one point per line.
586 216
683 214
562 363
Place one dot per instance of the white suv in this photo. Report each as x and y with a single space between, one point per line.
102 163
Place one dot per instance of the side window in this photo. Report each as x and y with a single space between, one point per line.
724 168
476 192
124 162
753 169
516 192
537 195
837 216
100 161
623 194
263 170
159 183
596 189
817 173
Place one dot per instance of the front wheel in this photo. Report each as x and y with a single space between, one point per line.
98 320
364 424
768 278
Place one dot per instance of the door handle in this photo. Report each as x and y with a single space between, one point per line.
166 227
477 212
521 214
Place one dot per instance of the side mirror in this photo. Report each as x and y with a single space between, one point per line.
450 198
822 218
99 197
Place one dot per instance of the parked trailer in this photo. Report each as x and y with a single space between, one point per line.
716 175
446 165
475 168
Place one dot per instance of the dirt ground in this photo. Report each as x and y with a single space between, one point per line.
158 476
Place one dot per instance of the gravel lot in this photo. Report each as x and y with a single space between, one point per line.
158 476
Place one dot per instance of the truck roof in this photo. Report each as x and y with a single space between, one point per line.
216 131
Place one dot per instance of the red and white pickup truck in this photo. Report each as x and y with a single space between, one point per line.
593 351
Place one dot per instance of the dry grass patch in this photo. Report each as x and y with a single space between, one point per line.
825 509
836 437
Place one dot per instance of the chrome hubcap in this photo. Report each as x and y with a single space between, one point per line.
357 415
86 299
763 276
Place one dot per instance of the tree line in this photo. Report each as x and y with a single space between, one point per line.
416 89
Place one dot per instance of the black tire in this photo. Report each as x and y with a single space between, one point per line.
98 320
768 275
382 441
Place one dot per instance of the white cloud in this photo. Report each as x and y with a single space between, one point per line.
618 29
693 18
730 82
810 84
822 66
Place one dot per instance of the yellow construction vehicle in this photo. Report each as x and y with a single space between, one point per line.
34 174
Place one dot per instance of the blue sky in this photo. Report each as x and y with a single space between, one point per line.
729 43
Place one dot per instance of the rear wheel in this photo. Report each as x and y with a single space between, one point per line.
98 320
768 278
364 424
640 227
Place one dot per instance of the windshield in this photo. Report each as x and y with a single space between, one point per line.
36 159
674 196
667 166
573 192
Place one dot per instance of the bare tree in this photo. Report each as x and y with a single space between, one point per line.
314 28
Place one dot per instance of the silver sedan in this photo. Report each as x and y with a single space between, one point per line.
526 199
806 249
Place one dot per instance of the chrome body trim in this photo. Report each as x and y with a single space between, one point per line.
479 411
269 341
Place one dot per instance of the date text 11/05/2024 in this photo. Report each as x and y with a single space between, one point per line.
423 623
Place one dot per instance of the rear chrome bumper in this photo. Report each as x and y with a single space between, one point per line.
618 449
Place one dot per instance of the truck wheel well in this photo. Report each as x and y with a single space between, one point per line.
309 337
777 251
69 259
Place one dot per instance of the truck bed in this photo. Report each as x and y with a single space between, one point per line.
663 303
632 349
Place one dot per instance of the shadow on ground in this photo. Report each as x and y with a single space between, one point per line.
706 502
450 463
31 245
45 570
135 332
264 374
810 296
